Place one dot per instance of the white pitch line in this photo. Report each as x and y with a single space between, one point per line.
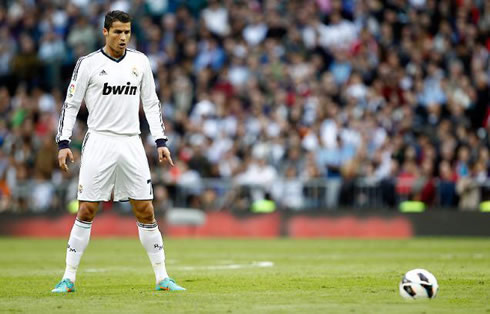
229 266
95 270
261 264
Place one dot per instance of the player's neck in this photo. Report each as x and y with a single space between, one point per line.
112 53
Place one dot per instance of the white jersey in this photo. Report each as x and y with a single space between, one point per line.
112 89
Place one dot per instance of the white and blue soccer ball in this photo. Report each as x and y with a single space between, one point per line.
418 284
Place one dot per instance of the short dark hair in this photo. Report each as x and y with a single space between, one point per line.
116 15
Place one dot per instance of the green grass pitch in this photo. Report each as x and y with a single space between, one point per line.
247 276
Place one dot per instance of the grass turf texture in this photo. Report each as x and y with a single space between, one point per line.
308 276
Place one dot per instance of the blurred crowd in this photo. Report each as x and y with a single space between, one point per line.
270 99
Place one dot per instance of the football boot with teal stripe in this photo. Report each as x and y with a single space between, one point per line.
65 285
168 284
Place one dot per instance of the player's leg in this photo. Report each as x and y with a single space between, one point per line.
79 237
152 241
96 181
77 243
133 182
150 236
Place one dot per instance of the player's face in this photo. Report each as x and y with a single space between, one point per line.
117 38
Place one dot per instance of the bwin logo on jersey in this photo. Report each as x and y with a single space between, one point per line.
119 89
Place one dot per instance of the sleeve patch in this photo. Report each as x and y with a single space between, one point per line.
71 90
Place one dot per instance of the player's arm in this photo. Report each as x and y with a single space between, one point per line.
153 112
71 106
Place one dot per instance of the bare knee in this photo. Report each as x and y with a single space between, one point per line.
143 210
87 211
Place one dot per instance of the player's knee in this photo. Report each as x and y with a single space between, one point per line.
87 211
145 214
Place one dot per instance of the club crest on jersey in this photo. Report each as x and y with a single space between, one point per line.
134 71
119 89
71 90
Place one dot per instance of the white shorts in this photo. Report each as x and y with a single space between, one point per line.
113 167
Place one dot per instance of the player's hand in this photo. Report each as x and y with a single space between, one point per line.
164 155
63 154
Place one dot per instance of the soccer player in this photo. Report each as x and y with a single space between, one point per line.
112 81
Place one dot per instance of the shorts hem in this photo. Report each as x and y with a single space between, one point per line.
134 199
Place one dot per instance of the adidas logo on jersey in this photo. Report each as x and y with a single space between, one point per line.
119 89
103 72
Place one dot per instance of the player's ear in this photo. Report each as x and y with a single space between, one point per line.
105 31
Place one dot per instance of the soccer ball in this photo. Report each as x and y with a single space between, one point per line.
418 284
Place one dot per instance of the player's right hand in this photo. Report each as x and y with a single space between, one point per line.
63 154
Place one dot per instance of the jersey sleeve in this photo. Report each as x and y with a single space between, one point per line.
74 96
151 105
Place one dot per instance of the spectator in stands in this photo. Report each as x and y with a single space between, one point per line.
288 191
447 184
26 66
82 37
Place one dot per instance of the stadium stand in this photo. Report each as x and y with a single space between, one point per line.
321 104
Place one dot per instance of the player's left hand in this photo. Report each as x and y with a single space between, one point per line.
164 155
